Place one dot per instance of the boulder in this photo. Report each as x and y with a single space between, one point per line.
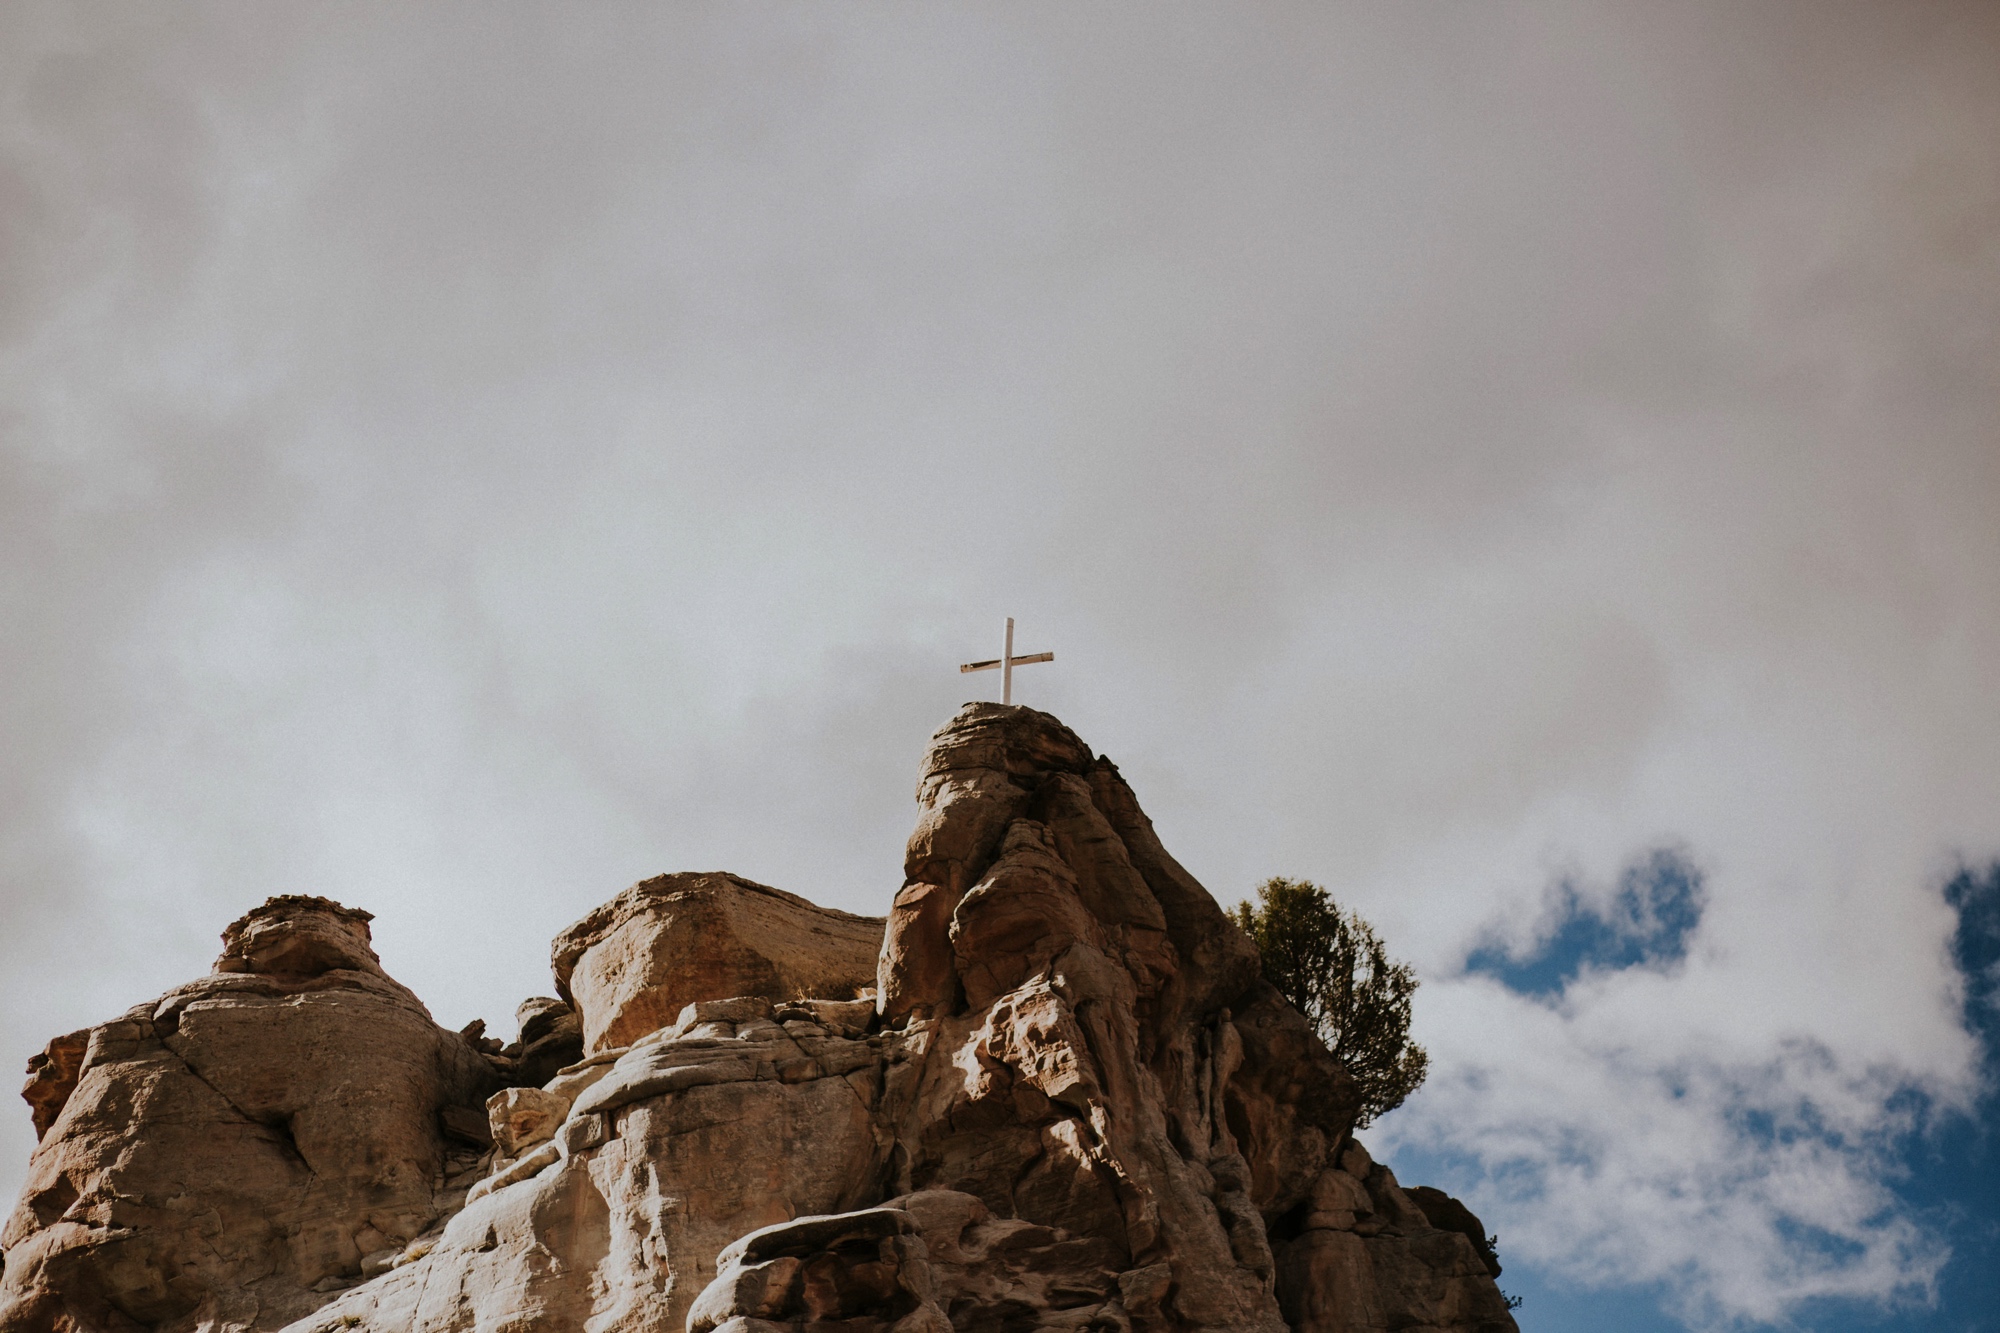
52 1076
551 1040
630 966
519 1118
226 1153
862 1268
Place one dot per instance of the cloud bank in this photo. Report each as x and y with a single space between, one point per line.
462 461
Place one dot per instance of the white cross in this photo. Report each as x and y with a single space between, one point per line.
1007 662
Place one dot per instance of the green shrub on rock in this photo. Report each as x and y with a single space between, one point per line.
1334 969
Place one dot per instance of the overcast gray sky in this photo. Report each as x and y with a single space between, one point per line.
463 459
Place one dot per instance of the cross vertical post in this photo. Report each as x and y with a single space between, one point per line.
1007 664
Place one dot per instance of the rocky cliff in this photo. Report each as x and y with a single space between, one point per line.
1050 1091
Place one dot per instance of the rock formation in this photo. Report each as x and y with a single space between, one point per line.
630 965
229 1154
1050 1091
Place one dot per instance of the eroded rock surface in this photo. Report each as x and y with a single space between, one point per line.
666 942
741 1115
225 1155
1367 1257
551 1039
1067 1101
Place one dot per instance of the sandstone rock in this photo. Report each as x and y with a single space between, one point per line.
246 1138
1092 1073
519 1118
986 1270
1368 1257
1071 1104
296 935
1448 1214
52 1077
551 1040
860 1268
630 966
849 1018
968 797
540 1016
467 1125
713 1128
937 1259
1337 1201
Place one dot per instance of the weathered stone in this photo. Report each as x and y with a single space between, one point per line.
1393 1267
1336 1202
517 1169
299 935
631 965
1073 1105
241 1141
1338 1282
551 1039
467 1125
849 1018
969 793
519 1118
1040 1277
686 1144
541 1016
932 1260
52 1077
1287 1101
1448 1214
860 1268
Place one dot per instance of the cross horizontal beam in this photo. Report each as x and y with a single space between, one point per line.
993 662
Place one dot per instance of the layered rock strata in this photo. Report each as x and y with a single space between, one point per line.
1067 1101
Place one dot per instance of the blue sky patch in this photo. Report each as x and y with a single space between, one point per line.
1645 923
1975 947
1946 1174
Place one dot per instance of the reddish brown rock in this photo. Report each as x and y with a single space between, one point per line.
1073 1105
244 1140
1448 1214
631 965
864 1269
1089 1068
52 1077
726 1122
1370 1258
967 795
551 1038
297 935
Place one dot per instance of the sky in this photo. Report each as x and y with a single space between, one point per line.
1532 469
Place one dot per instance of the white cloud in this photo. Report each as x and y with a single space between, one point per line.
1627 1154
461 466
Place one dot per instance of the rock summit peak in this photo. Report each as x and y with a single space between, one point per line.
299 934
